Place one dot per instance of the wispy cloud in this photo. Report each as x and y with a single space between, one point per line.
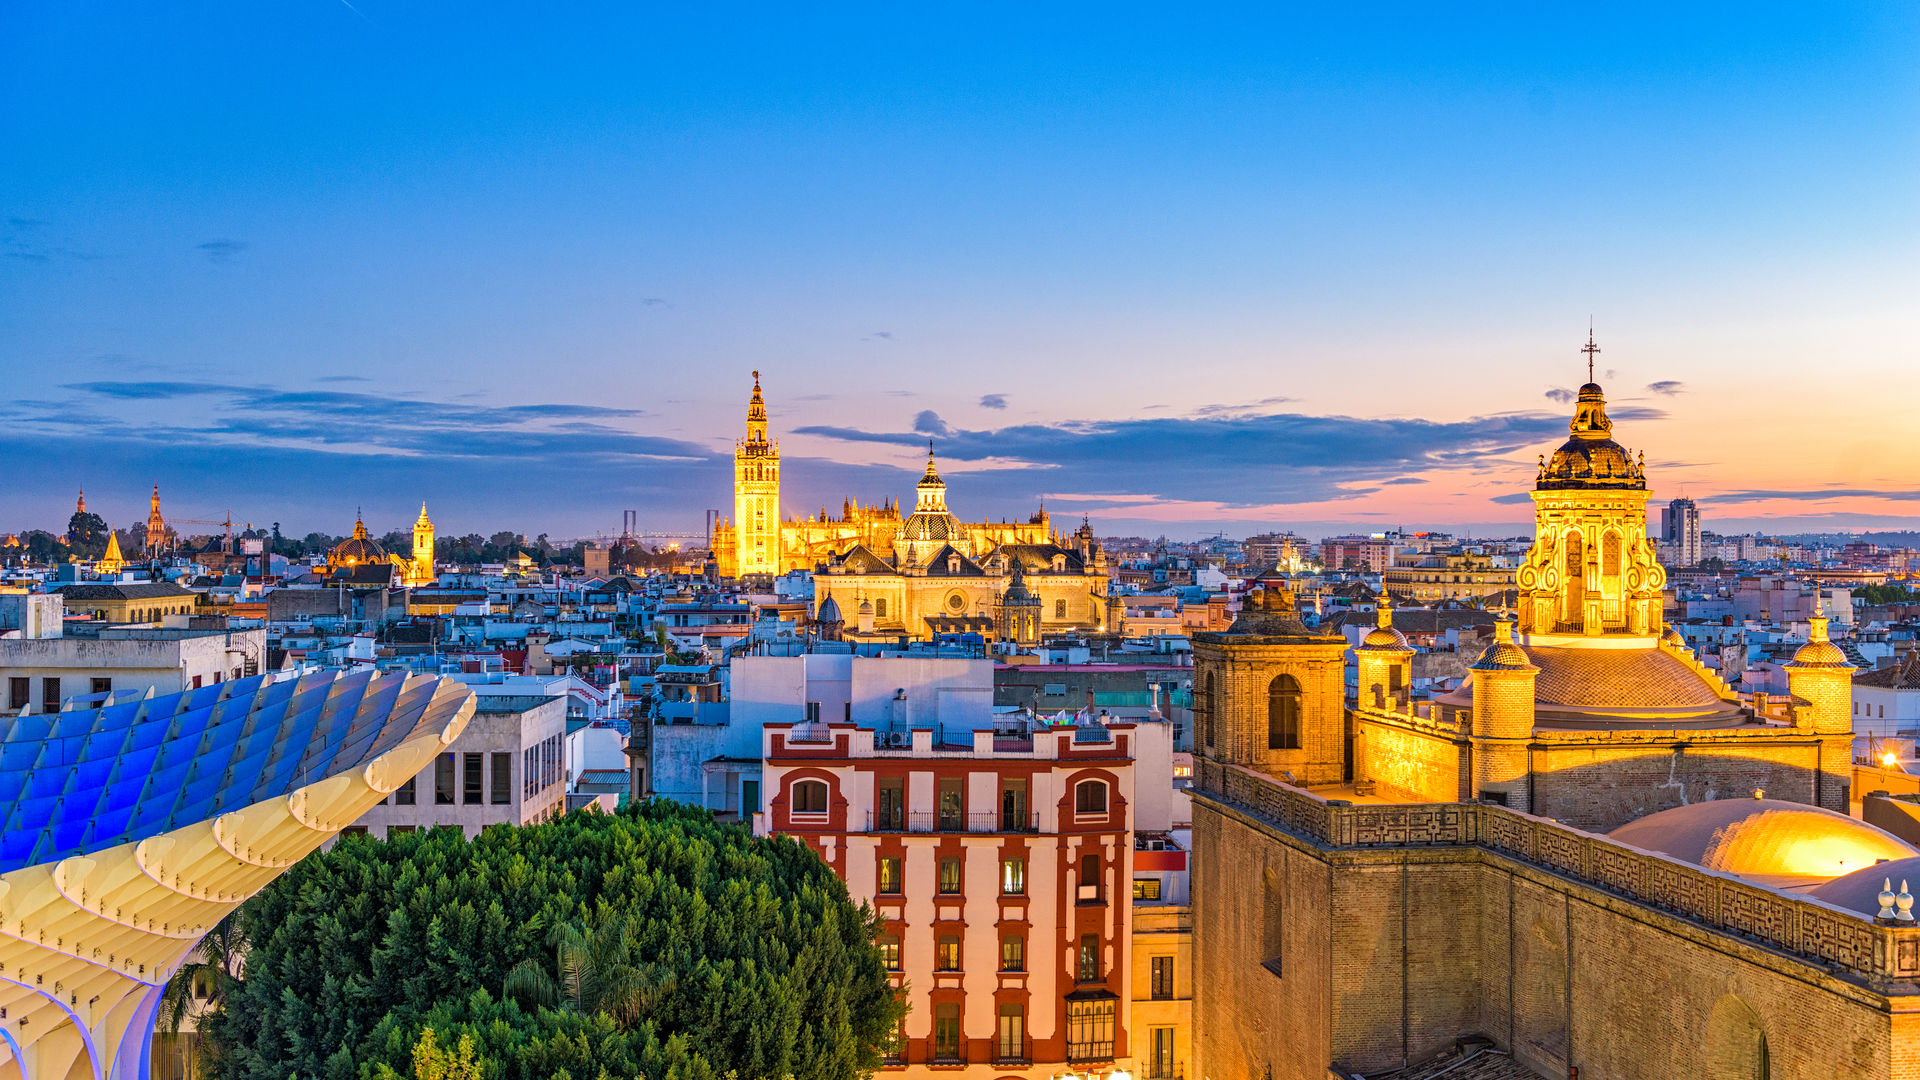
222 251
1562 395
1752 495
1668 387
993 401
1236 459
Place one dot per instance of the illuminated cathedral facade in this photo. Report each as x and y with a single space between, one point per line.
1593 859
916 575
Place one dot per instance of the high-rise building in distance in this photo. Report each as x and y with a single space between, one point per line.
1680 527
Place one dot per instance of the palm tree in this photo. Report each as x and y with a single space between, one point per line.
593 972
212 968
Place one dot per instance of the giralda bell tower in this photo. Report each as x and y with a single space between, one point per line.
756 493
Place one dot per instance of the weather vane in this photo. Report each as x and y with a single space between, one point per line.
1591 350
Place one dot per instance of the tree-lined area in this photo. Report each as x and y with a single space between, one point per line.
648 943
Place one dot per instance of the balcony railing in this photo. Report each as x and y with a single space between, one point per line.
1008 1051
924 821
949 1055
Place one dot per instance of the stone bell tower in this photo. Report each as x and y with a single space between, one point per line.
1271 693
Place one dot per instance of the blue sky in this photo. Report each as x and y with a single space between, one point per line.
1177 271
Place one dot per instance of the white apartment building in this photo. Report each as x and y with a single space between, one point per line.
508 767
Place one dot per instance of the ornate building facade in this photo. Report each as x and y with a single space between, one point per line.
933 580
1386 882
756 540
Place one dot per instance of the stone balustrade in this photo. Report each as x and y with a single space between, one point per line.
1847 942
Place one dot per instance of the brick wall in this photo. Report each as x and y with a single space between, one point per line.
1392 952
1416 765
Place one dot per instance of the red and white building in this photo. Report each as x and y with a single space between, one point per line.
1003 863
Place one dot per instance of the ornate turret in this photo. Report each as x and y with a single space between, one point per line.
80 504
1503 714
1020 610
931 526
1383 661
1591 570
1821 675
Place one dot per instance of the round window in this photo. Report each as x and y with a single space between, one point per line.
956 602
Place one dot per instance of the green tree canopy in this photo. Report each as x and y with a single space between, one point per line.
649 943
87 533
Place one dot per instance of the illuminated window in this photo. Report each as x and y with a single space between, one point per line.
890 951
1013 953
889 878
946 953
1013 877
1146 888
949 875
1090 1029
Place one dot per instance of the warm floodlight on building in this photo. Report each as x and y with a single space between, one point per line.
128 830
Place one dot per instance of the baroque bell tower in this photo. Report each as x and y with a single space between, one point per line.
756 494
419 569
1591 571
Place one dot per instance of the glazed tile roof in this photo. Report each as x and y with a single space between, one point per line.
1620 678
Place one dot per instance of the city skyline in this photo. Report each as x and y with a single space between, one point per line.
1312 271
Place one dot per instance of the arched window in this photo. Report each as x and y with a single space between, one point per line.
810 797
1573 607
1090 797
1736 1043
1283 713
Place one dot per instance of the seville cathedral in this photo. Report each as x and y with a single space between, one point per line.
1595 860
881 576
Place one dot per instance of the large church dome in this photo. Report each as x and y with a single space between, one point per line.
1590 458
1764 838
357 550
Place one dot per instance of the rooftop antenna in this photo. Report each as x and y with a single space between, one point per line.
1590 349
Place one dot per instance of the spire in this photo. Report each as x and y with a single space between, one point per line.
80 504
756 414
932 476
1592 351
423 520
359 525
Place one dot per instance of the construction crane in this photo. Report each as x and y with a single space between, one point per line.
226 524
